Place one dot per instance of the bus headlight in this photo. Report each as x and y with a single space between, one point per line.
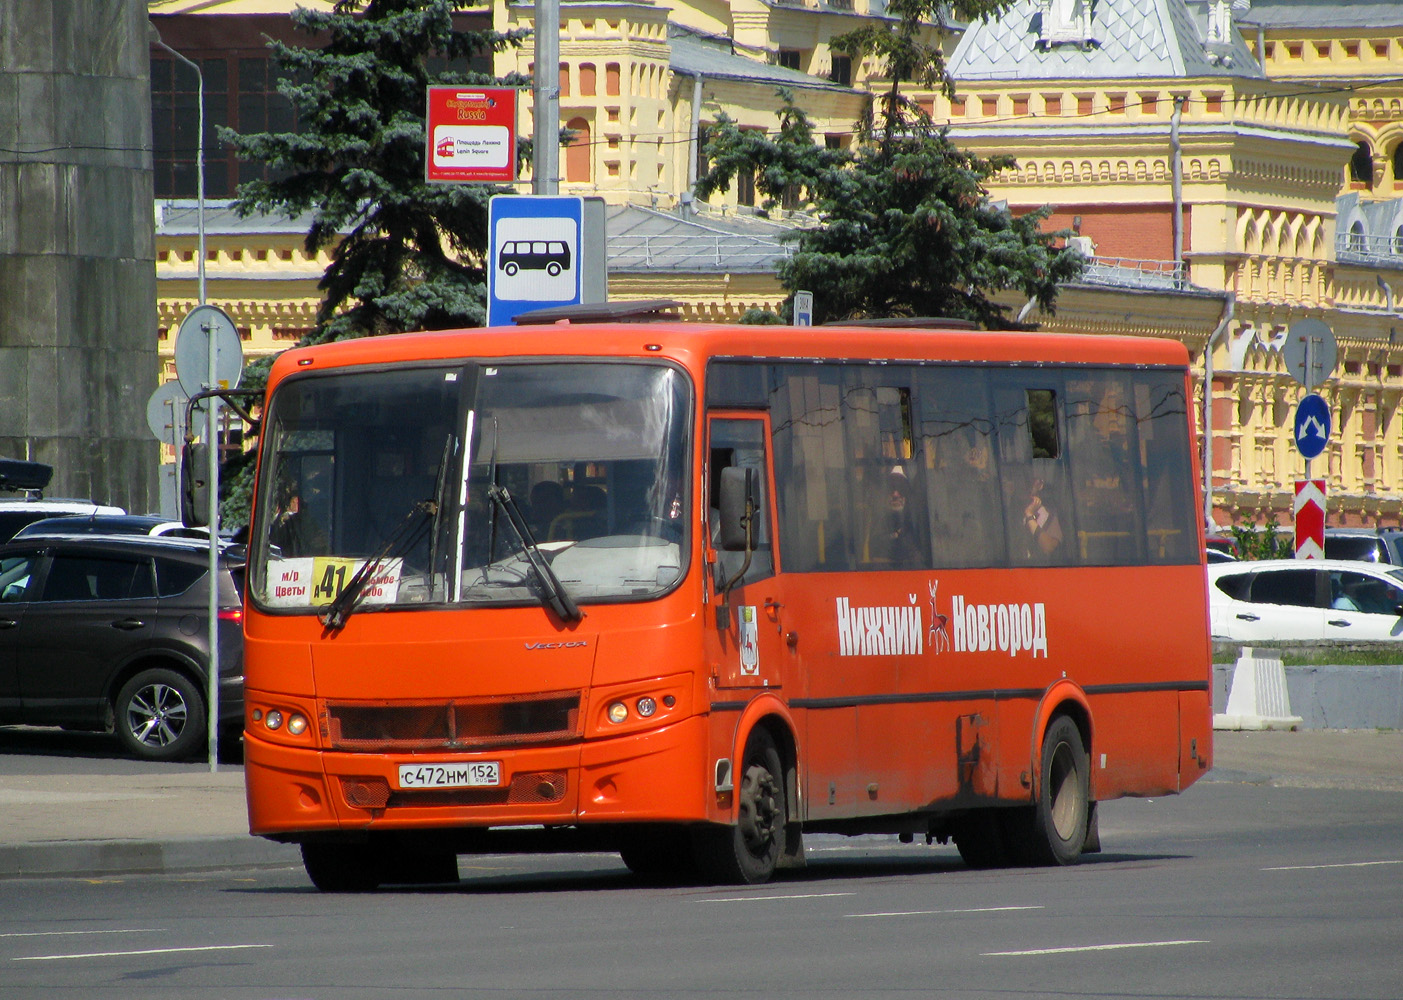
297 724
646 706
274 719
618 712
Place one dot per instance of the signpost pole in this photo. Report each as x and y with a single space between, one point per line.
545 112
212 439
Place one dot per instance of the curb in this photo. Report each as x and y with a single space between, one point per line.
143 857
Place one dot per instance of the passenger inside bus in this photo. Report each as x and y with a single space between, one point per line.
547 503
895 536
1042 523
295 529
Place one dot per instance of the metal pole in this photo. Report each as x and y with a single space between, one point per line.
545 133
212 416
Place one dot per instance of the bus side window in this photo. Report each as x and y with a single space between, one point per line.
740 443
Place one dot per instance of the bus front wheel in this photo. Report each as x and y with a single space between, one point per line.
748 852
344 867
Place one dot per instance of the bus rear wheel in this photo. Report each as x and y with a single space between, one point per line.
748 852
1054 829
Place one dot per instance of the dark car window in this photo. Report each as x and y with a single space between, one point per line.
1354 547
1236 585
1360 592
15 573
81 577
1294 587
175 576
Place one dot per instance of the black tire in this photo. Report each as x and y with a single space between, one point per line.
160 715
982 839
657 851
1059 818
553 269
344 867
748 852
510 267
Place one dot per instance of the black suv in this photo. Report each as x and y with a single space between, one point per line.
112 633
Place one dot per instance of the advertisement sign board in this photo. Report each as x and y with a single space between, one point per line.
471 134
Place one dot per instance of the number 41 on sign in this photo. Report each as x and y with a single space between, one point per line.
1310 518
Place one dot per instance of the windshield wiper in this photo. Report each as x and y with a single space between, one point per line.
552 589
402 540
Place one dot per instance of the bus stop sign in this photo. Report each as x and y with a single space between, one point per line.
533 254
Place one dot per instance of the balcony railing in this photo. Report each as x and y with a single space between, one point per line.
700 251
1356 248
1129 272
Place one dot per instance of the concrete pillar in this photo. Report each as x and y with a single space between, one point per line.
78 355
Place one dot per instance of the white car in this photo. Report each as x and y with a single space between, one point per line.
1310 599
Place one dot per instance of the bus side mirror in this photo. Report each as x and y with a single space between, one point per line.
738 505
194 485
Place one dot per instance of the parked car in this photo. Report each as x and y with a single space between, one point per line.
1305 600
15 514
1364 544
111 632
111 524
1213 555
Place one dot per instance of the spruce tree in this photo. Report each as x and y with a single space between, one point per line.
405 254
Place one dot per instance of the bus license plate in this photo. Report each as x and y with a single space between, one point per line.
470 774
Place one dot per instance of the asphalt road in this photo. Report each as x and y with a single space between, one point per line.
1235 889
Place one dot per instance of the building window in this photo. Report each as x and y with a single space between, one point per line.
1052 104
703 137
564 80
578 154
842 72
1398 164
587 83
1361 165
789 58
611 80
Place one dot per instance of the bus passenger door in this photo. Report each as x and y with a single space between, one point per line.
751 650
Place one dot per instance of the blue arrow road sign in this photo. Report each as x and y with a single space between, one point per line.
1312 425
533 262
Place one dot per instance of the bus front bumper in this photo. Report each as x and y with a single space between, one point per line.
659 775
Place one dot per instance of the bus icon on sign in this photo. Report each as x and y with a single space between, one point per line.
551 256
445 146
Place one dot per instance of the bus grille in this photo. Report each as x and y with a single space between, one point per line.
468 724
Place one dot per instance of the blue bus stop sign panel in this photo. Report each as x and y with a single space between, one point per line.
1312 425
534 245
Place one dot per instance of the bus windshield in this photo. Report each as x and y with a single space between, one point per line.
473 484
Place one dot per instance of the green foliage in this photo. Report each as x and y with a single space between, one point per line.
1263 543
761 317
907 228
405 254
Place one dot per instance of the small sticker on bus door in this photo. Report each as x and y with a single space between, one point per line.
749 642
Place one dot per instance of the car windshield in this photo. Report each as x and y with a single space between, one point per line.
473 484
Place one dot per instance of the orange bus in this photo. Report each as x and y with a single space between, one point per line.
690 591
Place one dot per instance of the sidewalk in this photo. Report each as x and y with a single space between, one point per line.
125 817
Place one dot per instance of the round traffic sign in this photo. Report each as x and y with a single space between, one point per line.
205 326
165 413
1312 425
1310 352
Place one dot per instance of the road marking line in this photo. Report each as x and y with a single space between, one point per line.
756 899
1351 864
1089 947
147 951
930 913
132 930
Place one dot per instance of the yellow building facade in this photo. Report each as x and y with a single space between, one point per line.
1244 122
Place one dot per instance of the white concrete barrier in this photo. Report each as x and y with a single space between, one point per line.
1258 698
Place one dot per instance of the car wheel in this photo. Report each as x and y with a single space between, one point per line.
160 715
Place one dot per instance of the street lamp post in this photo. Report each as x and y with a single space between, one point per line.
211 414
